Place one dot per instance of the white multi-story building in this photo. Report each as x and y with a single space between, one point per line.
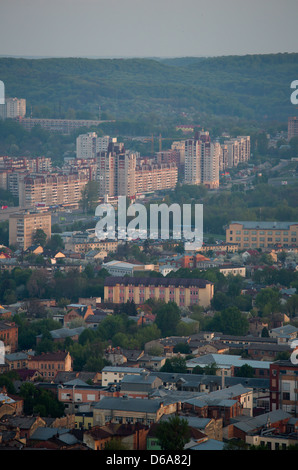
15 107
237 151
202 161
89 145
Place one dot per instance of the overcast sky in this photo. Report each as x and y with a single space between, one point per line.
146 28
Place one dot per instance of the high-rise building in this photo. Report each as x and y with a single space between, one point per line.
89 145
292 127
237 151
13 108
22 228
202 161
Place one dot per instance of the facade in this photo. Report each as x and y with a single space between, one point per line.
235 151
49 364
14 107
126 410
184 292
292 127
22 228
155 177
202 161
114 374
9 336
88 145
262 234
52 189
283 386
64 126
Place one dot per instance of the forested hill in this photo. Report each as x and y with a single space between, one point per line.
249 87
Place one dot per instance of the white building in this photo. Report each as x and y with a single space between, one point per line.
89 145
13 107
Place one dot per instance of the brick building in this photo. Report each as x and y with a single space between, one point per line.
49 364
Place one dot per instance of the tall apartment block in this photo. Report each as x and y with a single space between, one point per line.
89 145
262 234
202 161
236 151
13 108
22 228
52 189
292 127
155 177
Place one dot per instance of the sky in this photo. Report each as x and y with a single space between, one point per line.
147 28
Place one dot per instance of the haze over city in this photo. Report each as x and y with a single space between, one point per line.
138 28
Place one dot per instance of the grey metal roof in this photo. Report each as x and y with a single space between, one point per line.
265 225
45 433
251 424
128 404
211 444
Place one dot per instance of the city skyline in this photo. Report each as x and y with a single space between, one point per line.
136 28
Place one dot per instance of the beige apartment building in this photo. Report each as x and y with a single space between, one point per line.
52 189
184 292
22 228
155 177
262 234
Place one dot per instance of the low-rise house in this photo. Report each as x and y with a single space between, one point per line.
59 335
77 311
284 334
230 363
9 336
17 360
77 391
222 404
246 429
139 386
114 374
26 425
126 410
152 362
49 364
132 436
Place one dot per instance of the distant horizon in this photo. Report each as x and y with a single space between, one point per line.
19 56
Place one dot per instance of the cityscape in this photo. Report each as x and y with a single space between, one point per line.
147 343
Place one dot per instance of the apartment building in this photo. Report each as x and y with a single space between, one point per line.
155 177
90 144
262 234
13 108
22 228
202 161
235 151
184 292
292 127
63 126
92 244
51 189
284 386
121 172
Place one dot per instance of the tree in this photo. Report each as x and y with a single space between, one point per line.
245 371
167 318
89 195
56 243
39 237
230 321
173 434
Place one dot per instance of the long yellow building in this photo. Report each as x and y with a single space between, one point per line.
262 234
184 292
